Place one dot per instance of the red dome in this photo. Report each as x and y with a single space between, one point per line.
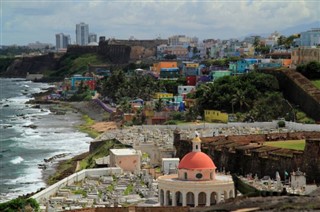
196 160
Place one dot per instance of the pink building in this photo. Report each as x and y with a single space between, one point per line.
129 160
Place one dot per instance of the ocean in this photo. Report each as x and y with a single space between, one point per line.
23 148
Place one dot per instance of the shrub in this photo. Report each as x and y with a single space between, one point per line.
170 122
281 123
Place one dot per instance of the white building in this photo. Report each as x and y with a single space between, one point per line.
185 89
62 41
82 34
169 165
127 159
310 38
298 180
92 37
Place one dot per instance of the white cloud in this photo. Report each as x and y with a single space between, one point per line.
29 21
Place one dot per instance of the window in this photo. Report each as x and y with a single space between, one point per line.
211 174
199 175
196 146
185 175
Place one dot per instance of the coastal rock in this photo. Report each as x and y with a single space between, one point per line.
55 157
32 126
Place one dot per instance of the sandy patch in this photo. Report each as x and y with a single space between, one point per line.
104 126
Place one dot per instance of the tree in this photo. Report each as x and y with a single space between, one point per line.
256 41
240 98
159 106
281 40
310 70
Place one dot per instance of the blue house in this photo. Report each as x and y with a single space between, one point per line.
169 73
242 66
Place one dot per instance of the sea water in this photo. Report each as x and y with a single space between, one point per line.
23 147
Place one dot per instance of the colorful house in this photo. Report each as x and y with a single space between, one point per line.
169 73
218 74
215 116
190 69
242 66
77 79
163 65
165 96
185 89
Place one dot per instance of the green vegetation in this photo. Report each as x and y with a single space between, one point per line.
302 118
256 95
64 169
87 160
5 63
86 127
289 144
20 204
281 124
71 64
316 83
128 190
103 151
116 86
310 70
81 191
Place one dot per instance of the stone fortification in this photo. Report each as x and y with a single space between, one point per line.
117 54
244 154
140 49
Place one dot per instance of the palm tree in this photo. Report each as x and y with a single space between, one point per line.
239 97
159 105
125 105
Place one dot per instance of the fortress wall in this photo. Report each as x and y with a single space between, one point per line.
260 160
299 90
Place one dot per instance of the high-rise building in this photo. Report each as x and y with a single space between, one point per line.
92 37
82 34
62 41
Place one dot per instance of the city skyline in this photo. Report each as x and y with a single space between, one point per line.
24 22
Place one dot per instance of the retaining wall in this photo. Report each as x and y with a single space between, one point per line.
76 177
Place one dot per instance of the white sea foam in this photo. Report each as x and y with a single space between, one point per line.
17 160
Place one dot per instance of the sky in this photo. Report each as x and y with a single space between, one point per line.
28 21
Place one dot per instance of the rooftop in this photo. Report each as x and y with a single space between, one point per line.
122 152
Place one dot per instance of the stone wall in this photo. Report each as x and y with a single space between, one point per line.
117 54
244 154
140 49
299 90
135 209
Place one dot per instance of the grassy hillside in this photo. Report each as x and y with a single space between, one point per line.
316 83
85 160
71 64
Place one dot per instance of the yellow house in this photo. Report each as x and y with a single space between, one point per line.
158 66
215 116
163 95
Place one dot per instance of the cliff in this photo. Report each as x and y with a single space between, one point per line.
34 65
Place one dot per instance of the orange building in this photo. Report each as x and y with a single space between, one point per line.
158 66
286 63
